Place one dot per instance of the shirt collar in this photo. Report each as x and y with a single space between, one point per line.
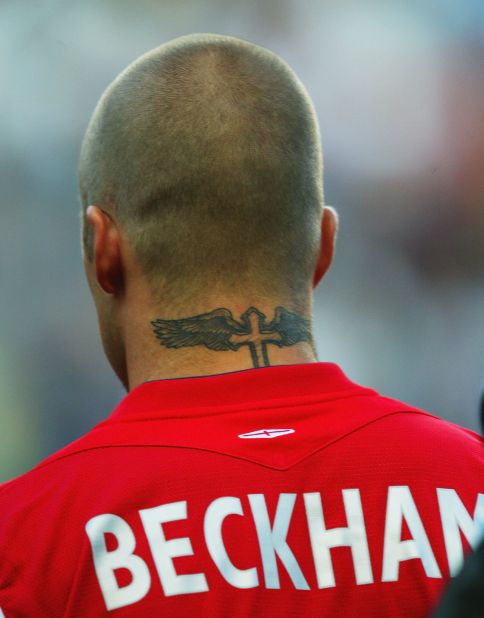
248 387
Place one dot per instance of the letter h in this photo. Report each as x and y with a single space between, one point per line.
323 540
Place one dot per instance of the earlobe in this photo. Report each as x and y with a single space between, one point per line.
106 250
329 231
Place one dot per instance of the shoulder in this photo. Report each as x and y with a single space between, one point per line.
387 423
53 475
413 439
421 425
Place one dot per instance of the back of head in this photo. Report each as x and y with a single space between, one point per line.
206 150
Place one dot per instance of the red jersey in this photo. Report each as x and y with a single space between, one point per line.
278 491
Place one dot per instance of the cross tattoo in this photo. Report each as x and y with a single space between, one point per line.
218 330
258 336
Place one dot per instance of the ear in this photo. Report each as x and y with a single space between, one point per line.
329 230
107 259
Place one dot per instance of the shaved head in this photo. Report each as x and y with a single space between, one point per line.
206 151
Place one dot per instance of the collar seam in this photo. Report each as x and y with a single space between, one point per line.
217 409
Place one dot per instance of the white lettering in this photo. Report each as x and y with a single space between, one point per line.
272 541
217 511
164 551
400 504
106 562
354 536
455 518
112 562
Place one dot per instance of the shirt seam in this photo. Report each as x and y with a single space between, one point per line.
243 406
240 457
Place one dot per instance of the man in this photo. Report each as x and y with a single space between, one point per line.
240 476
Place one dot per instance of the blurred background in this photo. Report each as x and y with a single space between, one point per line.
399 91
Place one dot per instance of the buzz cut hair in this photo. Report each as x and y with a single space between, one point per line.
206 151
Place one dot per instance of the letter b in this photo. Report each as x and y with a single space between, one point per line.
106 562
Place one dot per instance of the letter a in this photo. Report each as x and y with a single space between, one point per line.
400 505
106 562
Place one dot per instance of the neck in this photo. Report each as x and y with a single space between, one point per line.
217 337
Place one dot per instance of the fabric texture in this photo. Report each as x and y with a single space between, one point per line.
278 491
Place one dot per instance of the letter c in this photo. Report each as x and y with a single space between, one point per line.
217 511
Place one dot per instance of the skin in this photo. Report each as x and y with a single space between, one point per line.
125 308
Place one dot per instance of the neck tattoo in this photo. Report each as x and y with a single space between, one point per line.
218 330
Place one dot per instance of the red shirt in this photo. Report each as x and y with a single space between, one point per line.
278 491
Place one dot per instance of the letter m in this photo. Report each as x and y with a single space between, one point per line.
456 519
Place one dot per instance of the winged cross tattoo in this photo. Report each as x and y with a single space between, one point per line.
218 330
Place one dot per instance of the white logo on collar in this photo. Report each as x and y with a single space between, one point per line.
265 433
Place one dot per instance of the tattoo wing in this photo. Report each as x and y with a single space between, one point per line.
291 327
212 329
